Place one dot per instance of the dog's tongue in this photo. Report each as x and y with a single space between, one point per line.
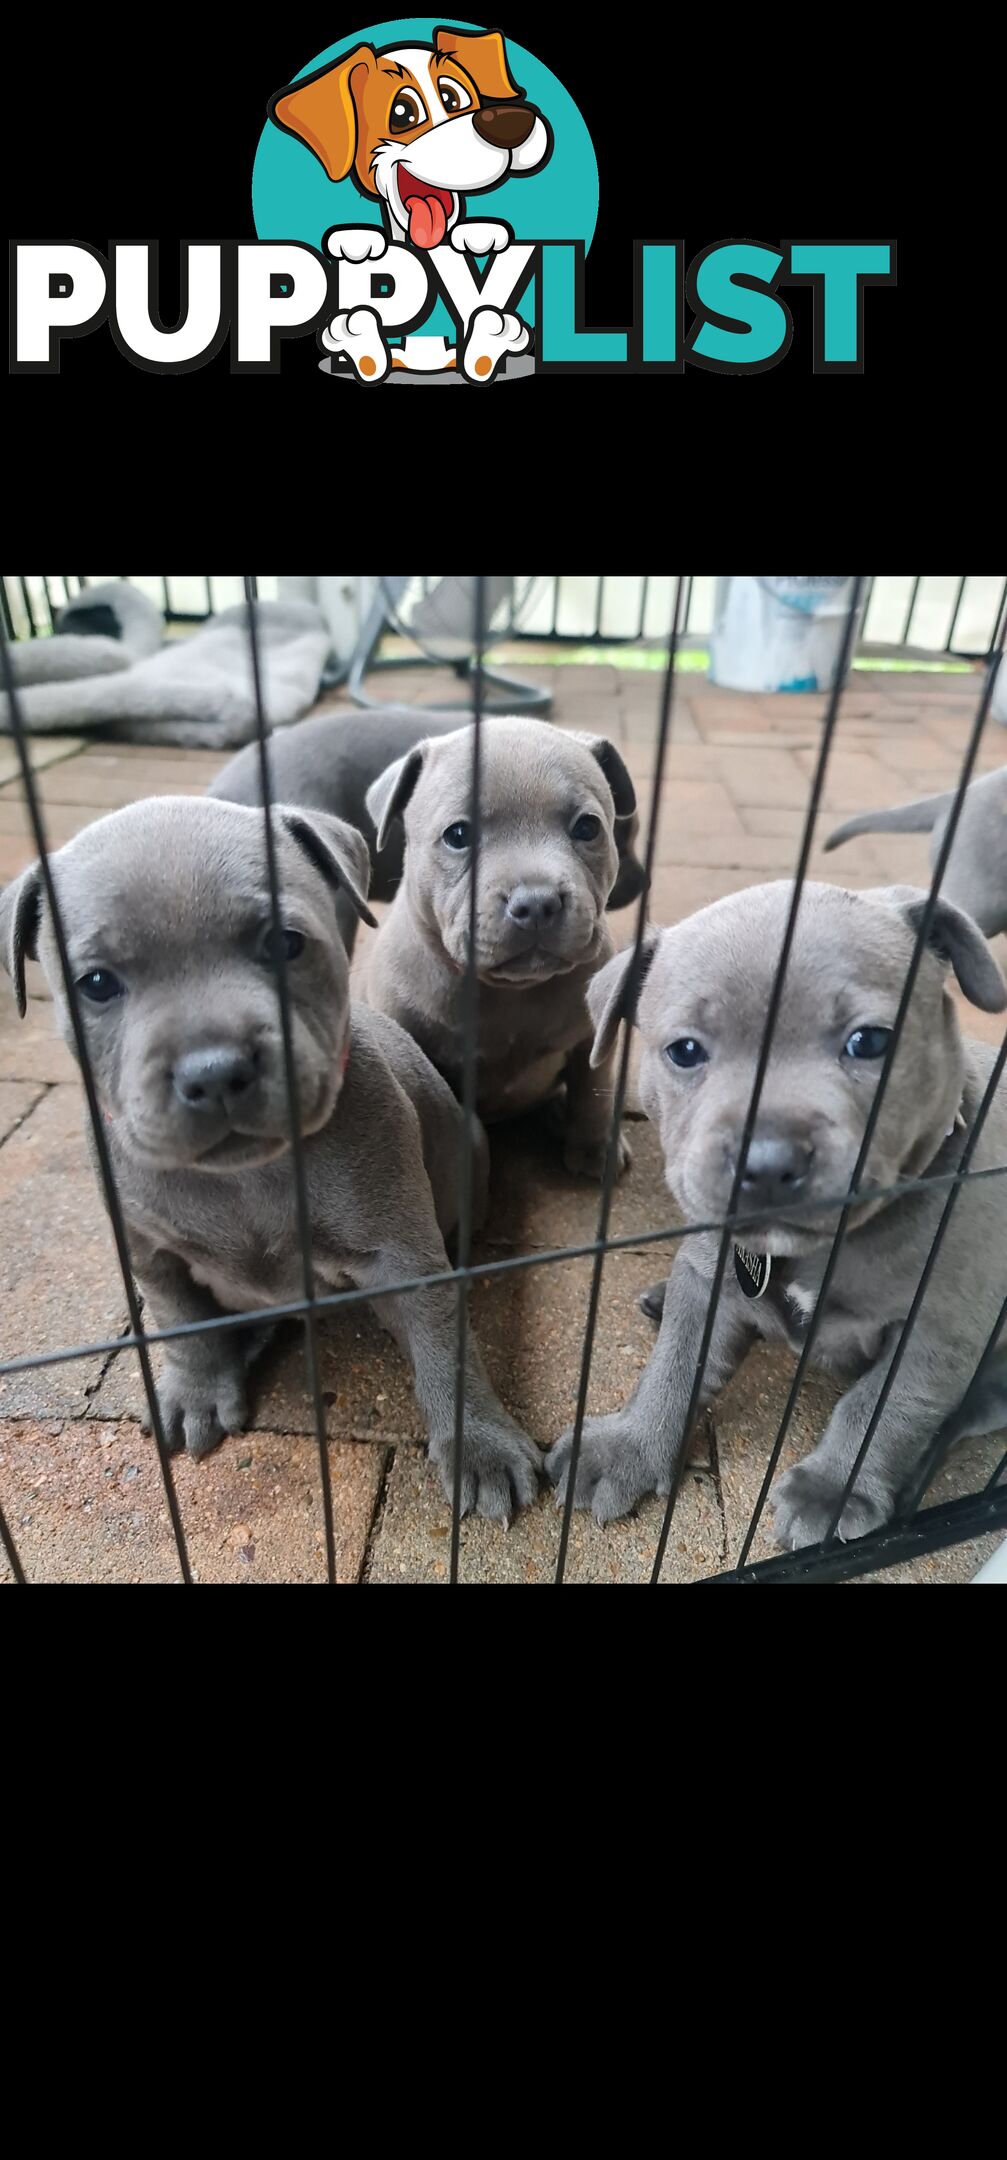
427 221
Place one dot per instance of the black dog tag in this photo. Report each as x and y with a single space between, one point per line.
752 1270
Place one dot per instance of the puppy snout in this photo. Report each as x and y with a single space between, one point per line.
534 906
214 1078
776 1170
504 127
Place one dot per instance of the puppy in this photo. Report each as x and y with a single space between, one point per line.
547 864
419 128
701 1013
167 918
976 875
329 762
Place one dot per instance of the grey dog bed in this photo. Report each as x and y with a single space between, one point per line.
106 669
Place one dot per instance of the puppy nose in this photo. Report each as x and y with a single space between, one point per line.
776 1169
505 127
213 1078
534 905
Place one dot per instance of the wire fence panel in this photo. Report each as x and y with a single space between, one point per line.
950 618
915 1528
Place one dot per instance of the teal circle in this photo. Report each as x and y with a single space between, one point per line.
293 199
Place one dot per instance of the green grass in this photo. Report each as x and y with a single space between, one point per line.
693 661
916 667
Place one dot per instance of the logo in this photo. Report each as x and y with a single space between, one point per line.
424 132
424 198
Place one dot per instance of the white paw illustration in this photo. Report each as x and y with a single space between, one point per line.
490 336
358 335
356 243
475 238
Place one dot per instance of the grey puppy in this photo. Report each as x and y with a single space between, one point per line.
547 863
701 1012
329 763
976 874
166 908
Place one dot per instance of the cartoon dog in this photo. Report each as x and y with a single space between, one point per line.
420 127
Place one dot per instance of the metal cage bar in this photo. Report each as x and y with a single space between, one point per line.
772 1012
955 612
293 1093
26 601
612 1156
471 1023
334 1301
105 1169
913 1530
921 1290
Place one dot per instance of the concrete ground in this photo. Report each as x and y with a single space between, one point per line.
80 1484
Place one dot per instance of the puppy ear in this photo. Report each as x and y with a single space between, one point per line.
956 940
631 877
387 796
20 916
321 110
623 791
338 850
613 994
484 59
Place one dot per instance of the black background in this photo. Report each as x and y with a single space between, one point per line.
143 125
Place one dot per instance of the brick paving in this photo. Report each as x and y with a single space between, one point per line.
78 1480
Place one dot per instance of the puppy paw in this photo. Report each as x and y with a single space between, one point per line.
805 1501
480 237
491 336
586 1158
356 243
500 1467
196 1414
615 1469
357 336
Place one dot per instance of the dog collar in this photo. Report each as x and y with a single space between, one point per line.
753 1270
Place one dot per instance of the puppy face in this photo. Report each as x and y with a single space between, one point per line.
701 1013
419 126
167 918
547 853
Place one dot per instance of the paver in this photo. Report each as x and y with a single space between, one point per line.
17 1098
414 1537
43 750
86 1503
61 1281
30 1049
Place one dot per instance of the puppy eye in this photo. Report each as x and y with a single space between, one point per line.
101 986
687 1052
867 1042
456 835
406 111
453 97
293 944
587 827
